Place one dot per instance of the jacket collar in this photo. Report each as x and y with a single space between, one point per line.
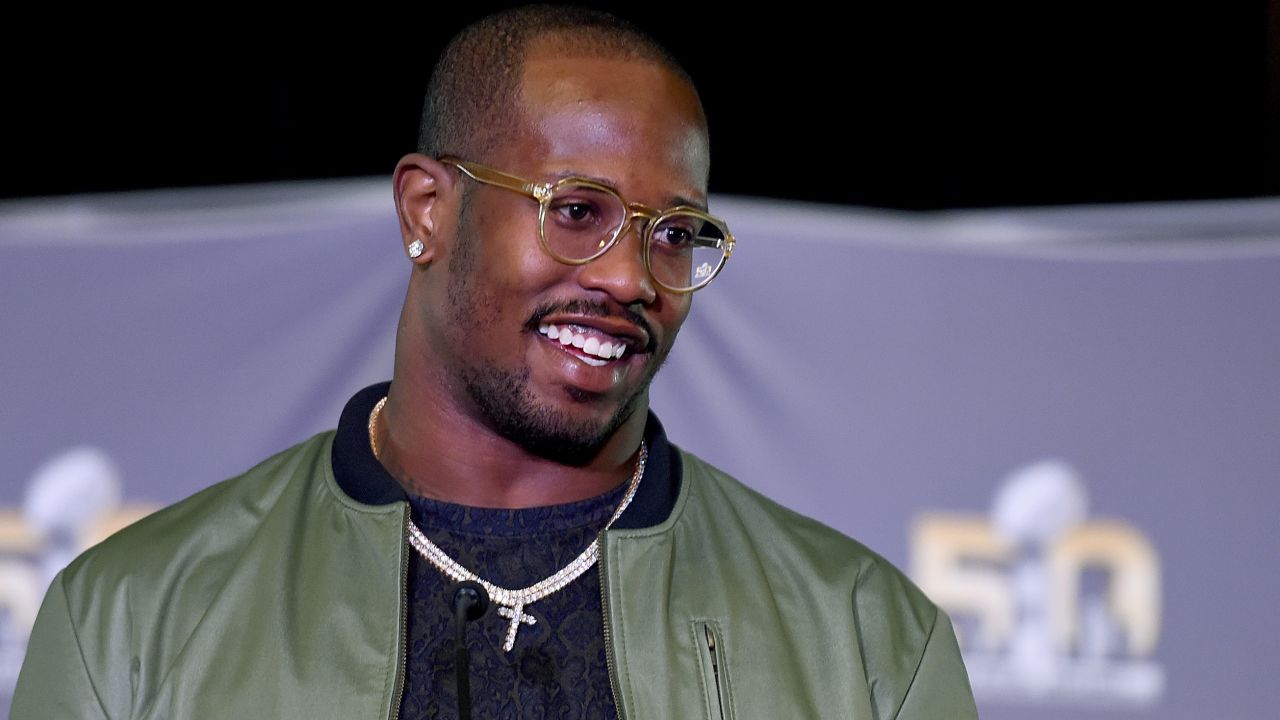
360 475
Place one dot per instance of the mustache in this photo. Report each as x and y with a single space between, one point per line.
589 308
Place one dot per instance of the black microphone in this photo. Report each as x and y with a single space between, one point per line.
470 602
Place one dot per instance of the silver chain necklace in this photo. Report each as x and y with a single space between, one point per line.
511 603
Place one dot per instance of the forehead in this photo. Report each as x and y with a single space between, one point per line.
631 121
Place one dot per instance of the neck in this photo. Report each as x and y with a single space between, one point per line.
435 451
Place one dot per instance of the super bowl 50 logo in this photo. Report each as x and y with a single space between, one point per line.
1049 604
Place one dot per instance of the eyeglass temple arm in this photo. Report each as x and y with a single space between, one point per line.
489 176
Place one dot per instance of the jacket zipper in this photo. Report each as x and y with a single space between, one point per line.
608 644
403 658
717 693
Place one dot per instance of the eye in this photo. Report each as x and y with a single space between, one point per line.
673 235
677 233
576 212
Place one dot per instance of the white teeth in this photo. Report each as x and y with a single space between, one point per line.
590 345
593 362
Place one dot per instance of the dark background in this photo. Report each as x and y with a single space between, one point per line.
913 108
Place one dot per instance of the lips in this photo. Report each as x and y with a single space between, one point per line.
596 347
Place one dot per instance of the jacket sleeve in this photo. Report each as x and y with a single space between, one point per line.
940 687
54 683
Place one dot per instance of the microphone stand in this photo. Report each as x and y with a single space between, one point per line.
470 602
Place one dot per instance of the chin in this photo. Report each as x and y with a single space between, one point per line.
569 428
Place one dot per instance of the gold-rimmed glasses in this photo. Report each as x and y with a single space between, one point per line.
580 219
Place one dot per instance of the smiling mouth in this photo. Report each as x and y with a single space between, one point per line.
593 347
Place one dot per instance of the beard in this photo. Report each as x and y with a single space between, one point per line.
506 406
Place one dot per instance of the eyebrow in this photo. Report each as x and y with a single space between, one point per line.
672 200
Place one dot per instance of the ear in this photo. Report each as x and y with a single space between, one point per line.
423 193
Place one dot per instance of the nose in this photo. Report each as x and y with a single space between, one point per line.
621 271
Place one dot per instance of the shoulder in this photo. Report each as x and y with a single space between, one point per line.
734 507
193 539
185 586
883 598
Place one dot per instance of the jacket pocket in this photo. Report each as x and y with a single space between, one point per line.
709 640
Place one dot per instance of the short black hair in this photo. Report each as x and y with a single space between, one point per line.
471 104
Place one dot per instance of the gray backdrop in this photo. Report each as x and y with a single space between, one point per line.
1035 412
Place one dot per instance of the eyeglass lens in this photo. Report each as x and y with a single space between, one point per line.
685 249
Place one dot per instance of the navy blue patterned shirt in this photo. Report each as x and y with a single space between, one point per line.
557 667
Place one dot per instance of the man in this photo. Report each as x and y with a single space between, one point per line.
555 221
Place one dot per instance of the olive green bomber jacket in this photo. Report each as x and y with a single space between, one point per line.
278 595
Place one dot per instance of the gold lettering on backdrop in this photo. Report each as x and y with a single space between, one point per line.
961 563
1134 591
16 534
953 558
20 593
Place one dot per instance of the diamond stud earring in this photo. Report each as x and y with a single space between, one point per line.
415 248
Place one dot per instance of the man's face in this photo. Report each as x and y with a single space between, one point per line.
629 124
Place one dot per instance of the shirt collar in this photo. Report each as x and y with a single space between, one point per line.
360 475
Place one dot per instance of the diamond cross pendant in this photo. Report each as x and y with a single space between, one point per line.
517 615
